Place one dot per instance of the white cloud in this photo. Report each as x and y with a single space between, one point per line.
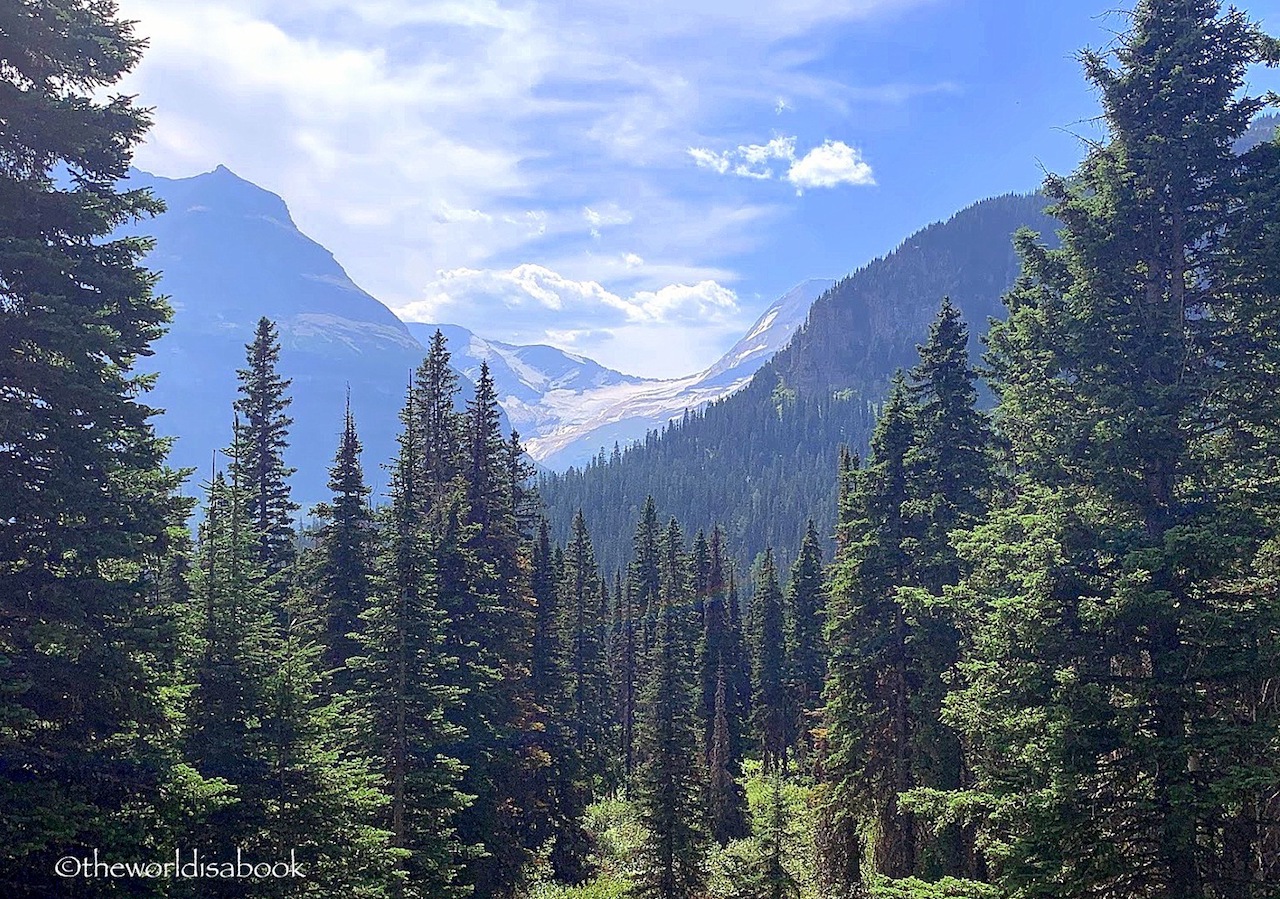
829 165
707 159
631 260
535 304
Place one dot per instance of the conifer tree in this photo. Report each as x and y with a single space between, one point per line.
1112 619
712 647
806 652
670 789
344 552
586 672
546 681
625 673
726 799
869 683
439 427
638 624
233 662
738 671
85 735
644 576
405 696
768 668
264 437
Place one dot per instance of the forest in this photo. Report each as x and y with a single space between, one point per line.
1035 651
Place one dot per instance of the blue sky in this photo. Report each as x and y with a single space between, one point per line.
635 181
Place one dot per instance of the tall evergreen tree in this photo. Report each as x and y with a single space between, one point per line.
737 670
768 667
806 652
712 647
586 662
869 684
1116 616
670 789
344 555
727 814
404 692
439 426
264 437
85 738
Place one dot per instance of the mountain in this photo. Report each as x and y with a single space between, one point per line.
525 375
228 252
762 461
567 407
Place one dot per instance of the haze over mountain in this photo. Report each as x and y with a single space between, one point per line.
228 252
567 407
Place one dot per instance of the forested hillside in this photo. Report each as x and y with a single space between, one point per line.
763 461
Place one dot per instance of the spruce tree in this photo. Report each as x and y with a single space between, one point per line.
404 694
768 668
638 624
1115 618
439 426
869 683
263 438
806 653
344 556
726 799
586 671
670 789
85 736
737 670
712 647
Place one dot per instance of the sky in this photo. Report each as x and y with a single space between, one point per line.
634 181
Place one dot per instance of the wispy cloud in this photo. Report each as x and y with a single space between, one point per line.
535 304
413 137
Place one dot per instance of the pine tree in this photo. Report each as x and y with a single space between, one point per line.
738 671
950 478
1116 615
344 556
439 426
85 735
726 799
485 593
670 789
404 693
806 653
712 647
869 683
768 668
232 663
638 625
624 673
264 437
586 672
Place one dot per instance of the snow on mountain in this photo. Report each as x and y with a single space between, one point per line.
567 407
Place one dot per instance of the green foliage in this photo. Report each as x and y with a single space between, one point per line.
262 435
87 736
772 465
